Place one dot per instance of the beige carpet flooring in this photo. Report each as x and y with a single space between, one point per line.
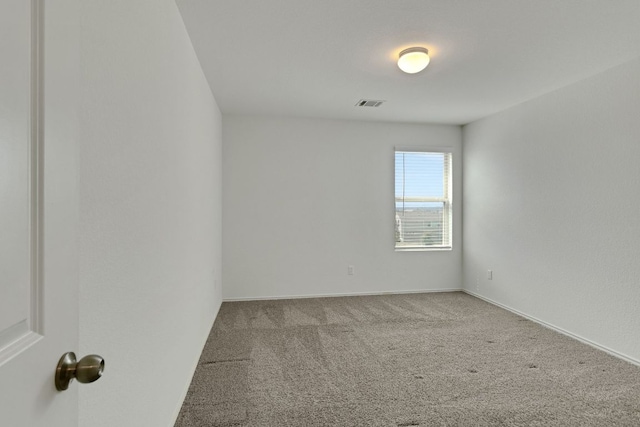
445 359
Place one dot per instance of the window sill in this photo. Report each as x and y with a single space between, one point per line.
439 248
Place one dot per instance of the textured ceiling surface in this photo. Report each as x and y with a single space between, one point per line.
317 58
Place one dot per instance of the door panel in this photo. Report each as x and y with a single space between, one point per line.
38 209
16 258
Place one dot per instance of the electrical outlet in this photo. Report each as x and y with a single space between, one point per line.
489 275
350 270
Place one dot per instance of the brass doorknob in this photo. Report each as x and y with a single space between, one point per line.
86 370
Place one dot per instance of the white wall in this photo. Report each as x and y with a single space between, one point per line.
305 198
150 210
551 205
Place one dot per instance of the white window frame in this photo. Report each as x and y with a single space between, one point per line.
447 200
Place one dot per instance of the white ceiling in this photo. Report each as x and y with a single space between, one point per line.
317 58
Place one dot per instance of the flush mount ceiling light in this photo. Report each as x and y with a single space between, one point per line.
413 60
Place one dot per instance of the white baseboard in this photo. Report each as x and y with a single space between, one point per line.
557 329
348 294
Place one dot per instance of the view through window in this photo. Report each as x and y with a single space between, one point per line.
423 200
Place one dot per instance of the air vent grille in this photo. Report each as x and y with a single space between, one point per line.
369 103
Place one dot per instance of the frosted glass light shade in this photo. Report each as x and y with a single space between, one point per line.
413 60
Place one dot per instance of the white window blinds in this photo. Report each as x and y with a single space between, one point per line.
422 200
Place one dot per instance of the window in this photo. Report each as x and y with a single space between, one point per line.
423 199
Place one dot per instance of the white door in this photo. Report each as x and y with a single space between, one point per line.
38 209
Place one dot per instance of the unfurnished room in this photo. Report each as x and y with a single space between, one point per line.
319 213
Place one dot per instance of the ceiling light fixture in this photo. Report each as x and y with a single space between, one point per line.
413 60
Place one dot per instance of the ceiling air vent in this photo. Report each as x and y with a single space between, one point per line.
368 103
